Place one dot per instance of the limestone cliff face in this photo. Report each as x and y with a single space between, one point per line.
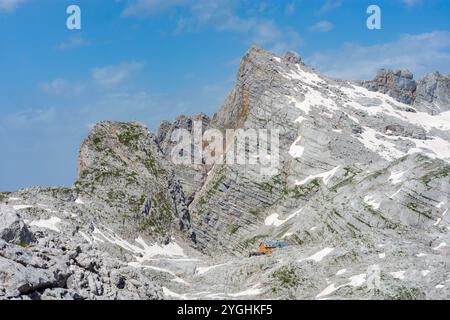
123 175
193 176
433 93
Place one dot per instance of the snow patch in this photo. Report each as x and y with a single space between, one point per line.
143 251
441 245
434 148
203 270
309 78
398 275
181 281
341 272
421 119
385 149
319 256
358 280
355 281
396 193
170 250
396 177
326 177
171 294
21 207
420 255
425 272
273 219
296 151
254 291
47 224
372 202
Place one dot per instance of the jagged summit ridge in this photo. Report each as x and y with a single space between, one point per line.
429 94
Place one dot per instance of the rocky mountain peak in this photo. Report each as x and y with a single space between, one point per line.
114 139
292 57
430 94
122 168
399 84
433 93
165 130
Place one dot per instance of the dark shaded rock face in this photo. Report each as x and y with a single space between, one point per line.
398 84
191 176
433 93
430 94
165 130
12 227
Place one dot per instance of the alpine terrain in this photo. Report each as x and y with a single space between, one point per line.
360 200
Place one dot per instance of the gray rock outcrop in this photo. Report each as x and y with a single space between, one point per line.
399 84
430 94
433 93
12 227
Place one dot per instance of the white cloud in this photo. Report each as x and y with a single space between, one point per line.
62 87
115 74
104 78
421 53
9 5
72 42
322 26
411 3
267 34
290 8
224 16
151 7
28 118
330 5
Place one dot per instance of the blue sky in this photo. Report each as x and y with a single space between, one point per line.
150 60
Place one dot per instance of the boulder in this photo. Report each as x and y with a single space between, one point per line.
12 228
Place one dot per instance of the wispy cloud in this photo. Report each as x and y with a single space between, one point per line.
29 118
321 26
330 5
411 3
71 43
151 7
100 80
9 5
223 16
421 53
113 75
62 87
